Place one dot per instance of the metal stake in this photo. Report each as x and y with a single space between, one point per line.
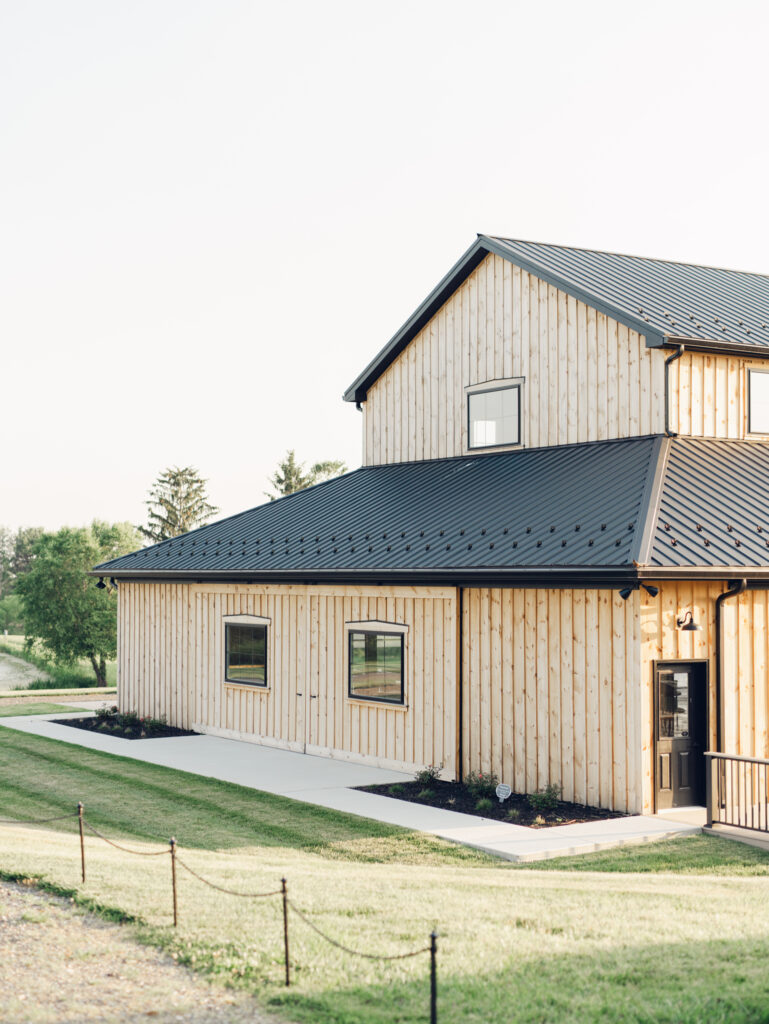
433 978
172 843
82 842
284 887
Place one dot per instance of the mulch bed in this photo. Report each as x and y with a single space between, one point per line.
125 732
452 796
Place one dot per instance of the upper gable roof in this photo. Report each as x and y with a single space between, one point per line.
597 513
706 308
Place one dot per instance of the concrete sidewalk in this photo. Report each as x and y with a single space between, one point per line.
327 782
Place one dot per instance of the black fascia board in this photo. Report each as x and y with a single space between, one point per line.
448 284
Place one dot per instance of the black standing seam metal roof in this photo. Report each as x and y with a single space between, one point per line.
667 302
609 509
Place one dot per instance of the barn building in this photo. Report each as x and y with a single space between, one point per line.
552 563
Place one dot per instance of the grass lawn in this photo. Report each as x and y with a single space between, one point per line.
61 677
671 932
9 711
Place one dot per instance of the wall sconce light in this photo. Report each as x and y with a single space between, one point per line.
686 623
626 592
113 581
101 585
651 591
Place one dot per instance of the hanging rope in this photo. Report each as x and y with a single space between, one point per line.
355 952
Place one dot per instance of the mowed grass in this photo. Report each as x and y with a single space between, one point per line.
10 710
531 944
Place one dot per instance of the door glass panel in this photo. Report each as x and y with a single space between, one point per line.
673 705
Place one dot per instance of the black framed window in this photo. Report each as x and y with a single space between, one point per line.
494 417
376 666
758 402
246 654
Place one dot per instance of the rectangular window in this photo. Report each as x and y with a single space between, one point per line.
758 402
494 417
376 666
246 657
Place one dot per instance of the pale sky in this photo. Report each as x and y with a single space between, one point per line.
213 214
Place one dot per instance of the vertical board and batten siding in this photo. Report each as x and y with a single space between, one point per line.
745 687
171 662
551 692
586 377
709 395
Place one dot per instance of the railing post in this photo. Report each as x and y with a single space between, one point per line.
284 890
709 765
82 841
433 977
172 844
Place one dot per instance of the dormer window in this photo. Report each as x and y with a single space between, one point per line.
494 416
758 402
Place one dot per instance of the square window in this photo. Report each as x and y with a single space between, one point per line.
246 657
376 666
494 417
758 402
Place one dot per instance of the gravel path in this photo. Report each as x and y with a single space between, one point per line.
15 672
59 964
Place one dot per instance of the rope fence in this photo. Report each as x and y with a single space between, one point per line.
288 905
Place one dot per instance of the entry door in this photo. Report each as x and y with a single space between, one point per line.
681 731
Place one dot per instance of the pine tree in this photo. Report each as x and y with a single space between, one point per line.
290 476
177 503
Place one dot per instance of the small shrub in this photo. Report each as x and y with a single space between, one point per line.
513 814
484 805
545 800
426 794
428 776
481 784
396 790
539 820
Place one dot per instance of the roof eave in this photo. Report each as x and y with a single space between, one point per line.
717 347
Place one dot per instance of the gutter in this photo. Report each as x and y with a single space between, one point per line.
670 359
736 588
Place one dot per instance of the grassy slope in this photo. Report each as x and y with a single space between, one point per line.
517 944
60 676
8 711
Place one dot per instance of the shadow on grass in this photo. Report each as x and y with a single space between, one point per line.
131 799
688 983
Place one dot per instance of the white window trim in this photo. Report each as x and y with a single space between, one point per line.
497 384
248 620
748 431
376 626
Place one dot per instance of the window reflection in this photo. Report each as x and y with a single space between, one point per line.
376 666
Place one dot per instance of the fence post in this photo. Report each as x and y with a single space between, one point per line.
82 842
710 764
284 888
172 843
433 977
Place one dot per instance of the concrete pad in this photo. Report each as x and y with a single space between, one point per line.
688 815
326 782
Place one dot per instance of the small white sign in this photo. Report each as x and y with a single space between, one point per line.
503 791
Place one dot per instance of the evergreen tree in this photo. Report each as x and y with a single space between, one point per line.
177 504
290 475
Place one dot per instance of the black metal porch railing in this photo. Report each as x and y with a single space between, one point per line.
737 791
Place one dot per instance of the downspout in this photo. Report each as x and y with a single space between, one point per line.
670 359
735 588
460 687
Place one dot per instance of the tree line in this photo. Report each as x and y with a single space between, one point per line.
45 589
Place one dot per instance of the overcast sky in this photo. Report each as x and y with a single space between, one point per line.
213 214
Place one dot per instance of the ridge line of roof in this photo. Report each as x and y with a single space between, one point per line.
631 256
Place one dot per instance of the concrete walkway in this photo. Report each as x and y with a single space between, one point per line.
329 783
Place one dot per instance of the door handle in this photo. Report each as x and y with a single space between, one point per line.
313 696
299 694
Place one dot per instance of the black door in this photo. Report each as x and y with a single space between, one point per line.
681 691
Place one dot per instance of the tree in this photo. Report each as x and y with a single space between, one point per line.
290 475
62 606
177 504
16 553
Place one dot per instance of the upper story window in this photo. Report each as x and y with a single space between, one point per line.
494 416
758 402
246 650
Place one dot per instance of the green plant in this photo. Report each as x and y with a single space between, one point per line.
484 805
545 800
428 776
513 814
396 790
426 794
481 784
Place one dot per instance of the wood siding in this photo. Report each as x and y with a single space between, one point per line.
745 697
171 662
586 377
551 692
709 395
